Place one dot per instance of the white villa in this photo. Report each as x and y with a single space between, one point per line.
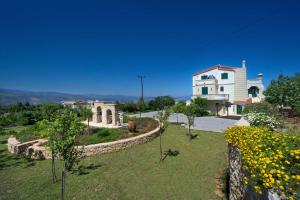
222 84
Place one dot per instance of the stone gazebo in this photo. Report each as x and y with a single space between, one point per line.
104 115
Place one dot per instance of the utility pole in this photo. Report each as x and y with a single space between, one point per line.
141 77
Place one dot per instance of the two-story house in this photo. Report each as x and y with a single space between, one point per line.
227 88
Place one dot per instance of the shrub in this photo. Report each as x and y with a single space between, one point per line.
271 159
261 107
146 124
2 131
27 134
262 119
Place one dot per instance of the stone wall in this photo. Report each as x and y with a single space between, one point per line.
237 190
14 146
120 144
37 150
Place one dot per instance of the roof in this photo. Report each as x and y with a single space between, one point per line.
243 101
225 68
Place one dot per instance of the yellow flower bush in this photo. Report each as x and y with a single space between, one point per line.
272 159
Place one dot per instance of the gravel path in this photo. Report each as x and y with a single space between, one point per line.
201 123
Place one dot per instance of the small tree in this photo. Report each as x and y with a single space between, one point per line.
284 91
227 105
86 113
178 108
200 106
163 120
190 112
63 132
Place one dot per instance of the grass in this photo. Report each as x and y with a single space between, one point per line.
135 173
96 135
16 128
102 135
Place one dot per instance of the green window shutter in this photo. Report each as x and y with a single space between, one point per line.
203 77
224 76
205 90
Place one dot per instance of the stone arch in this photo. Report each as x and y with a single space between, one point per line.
109 116
99 114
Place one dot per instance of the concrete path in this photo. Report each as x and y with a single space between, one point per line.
201 123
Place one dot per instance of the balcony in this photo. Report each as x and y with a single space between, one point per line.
216 97
206 82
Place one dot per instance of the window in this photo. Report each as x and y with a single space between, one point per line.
222 89
205 90
224 76
204 77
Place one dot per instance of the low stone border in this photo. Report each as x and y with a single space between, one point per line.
36 149
120 144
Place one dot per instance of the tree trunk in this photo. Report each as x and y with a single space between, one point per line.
177 118
54 178
160 145
63 184
190 131
88 125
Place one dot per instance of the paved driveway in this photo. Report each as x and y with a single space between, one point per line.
201 123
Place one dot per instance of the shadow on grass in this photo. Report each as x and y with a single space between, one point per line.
170 152
11 160
85 169
192 136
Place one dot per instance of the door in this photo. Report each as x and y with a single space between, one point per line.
205 90
239 109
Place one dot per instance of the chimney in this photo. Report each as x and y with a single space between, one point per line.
244 64
260 76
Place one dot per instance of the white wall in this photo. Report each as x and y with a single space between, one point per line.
228 84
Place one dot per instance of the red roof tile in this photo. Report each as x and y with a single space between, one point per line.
225 68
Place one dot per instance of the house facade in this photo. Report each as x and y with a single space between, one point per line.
227 88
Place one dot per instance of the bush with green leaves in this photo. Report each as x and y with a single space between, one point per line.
261 107
200 107
262 120
27 134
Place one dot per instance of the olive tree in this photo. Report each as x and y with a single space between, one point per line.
190 112
162 117
86 113
63 132
178 108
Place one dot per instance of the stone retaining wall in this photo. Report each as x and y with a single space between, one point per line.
14 146
237 190
120 144
36 149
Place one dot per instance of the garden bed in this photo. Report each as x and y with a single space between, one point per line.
100 135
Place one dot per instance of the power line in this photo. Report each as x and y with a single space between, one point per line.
141 77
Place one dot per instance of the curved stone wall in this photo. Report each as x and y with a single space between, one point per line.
120 144
36 149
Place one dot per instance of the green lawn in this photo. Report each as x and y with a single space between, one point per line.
135 173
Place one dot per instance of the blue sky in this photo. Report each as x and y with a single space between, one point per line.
101 46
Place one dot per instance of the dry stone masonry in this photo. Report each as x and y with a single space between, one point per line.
237 189
36 149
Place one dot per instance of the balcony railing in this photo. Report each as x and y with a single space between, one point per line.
206 82
213 96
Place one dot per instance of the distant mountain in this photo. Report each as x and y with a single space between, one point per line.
9 96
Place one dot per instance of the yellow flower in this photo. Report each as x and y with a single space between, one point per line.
281 187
